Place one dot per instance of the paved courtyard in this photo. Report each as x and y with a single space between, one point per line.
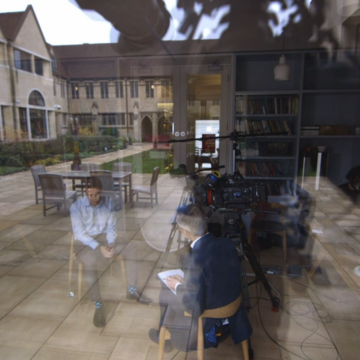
319 316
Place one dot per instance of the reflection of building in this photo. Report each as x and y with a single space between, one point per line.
29 106
45 92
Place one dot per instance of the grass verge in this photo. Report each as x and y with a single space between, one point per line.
144 162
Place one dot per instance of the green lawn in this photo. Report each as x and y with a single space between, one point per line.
144 162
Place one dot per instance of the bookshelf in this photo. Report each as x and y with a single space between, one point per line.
266 113
331 97
275 117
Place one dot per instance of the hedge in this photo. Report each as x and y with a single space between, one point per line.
50 152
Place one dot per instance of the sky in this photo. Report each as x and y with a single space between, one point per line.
63 23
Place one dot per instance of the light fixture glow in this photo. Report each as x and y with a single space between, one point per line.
282 70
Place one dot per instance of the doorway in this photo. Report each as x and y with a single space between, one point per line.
146 130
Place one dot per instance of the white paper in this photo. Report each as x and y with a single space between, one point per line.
163 275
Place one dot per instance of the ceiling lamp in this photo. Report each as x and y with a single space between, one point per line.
282 70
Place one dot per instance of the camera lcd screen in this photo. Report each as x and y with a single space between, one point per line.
237 194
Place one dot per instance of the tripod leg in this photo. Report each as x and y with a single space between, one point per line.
260 276
245 289
168 245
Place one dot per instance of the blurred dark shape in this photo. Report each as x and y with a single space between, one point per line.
324 71
242 25
141 23
297 217
352 187
181 170
191 17
321 35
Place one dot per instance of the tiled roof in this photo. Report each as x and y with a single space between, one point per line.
10 23
85 51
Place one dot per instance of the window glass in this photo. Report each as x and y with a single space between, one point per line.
54 64
149 89
39 68
165 88
36 99
89 90
23 123
134 89
62 89
81 124
75 90
119 89
121 119
104 90
22 60
2 53
38 124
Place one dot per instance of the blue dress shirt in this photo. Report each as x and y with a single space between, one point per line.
89 221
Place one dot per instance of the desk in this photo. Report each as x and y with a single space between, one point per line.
85 175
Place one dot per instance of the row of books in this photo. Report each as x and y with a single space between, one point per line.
263 148
267 105
260 169
309 130
274 188
253 127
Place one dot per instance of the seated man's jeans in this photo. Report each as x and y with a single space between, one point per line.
90 258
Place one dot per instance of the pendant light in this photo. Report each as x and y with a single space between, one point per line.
282 70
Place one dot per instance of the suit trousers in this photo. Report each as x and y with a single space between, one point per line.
183 328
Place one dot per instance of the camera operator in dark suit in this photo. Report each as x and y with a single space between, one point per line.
211 280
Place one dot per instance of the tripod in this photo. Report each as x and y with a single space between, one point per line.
185 199
235 230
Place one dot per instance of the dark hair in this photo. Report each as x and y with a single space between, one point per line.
192 219
95 183
353 173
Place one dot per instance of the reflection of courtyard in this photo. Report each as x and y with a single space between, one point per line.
39 321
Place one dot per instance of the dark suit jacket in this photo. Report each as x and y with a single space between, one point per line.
212 280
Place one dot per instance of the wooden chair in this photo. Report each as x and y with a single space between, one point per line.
89 167
72 257
219 313
123 167
54 192
86 167
270 226
150 190
35 171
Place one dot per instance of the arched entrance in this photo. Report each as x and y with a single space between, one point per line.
37 113
146 129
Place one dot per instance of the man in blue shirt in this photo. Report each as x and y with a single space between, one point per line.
91 216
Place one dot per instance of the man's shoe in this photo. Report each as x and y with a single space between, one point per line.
154 336
99 318
142 299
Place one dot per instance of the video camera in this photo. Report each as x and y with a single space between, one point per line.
228 191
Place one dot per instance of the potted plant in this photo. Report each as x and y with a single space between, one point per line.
125 142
